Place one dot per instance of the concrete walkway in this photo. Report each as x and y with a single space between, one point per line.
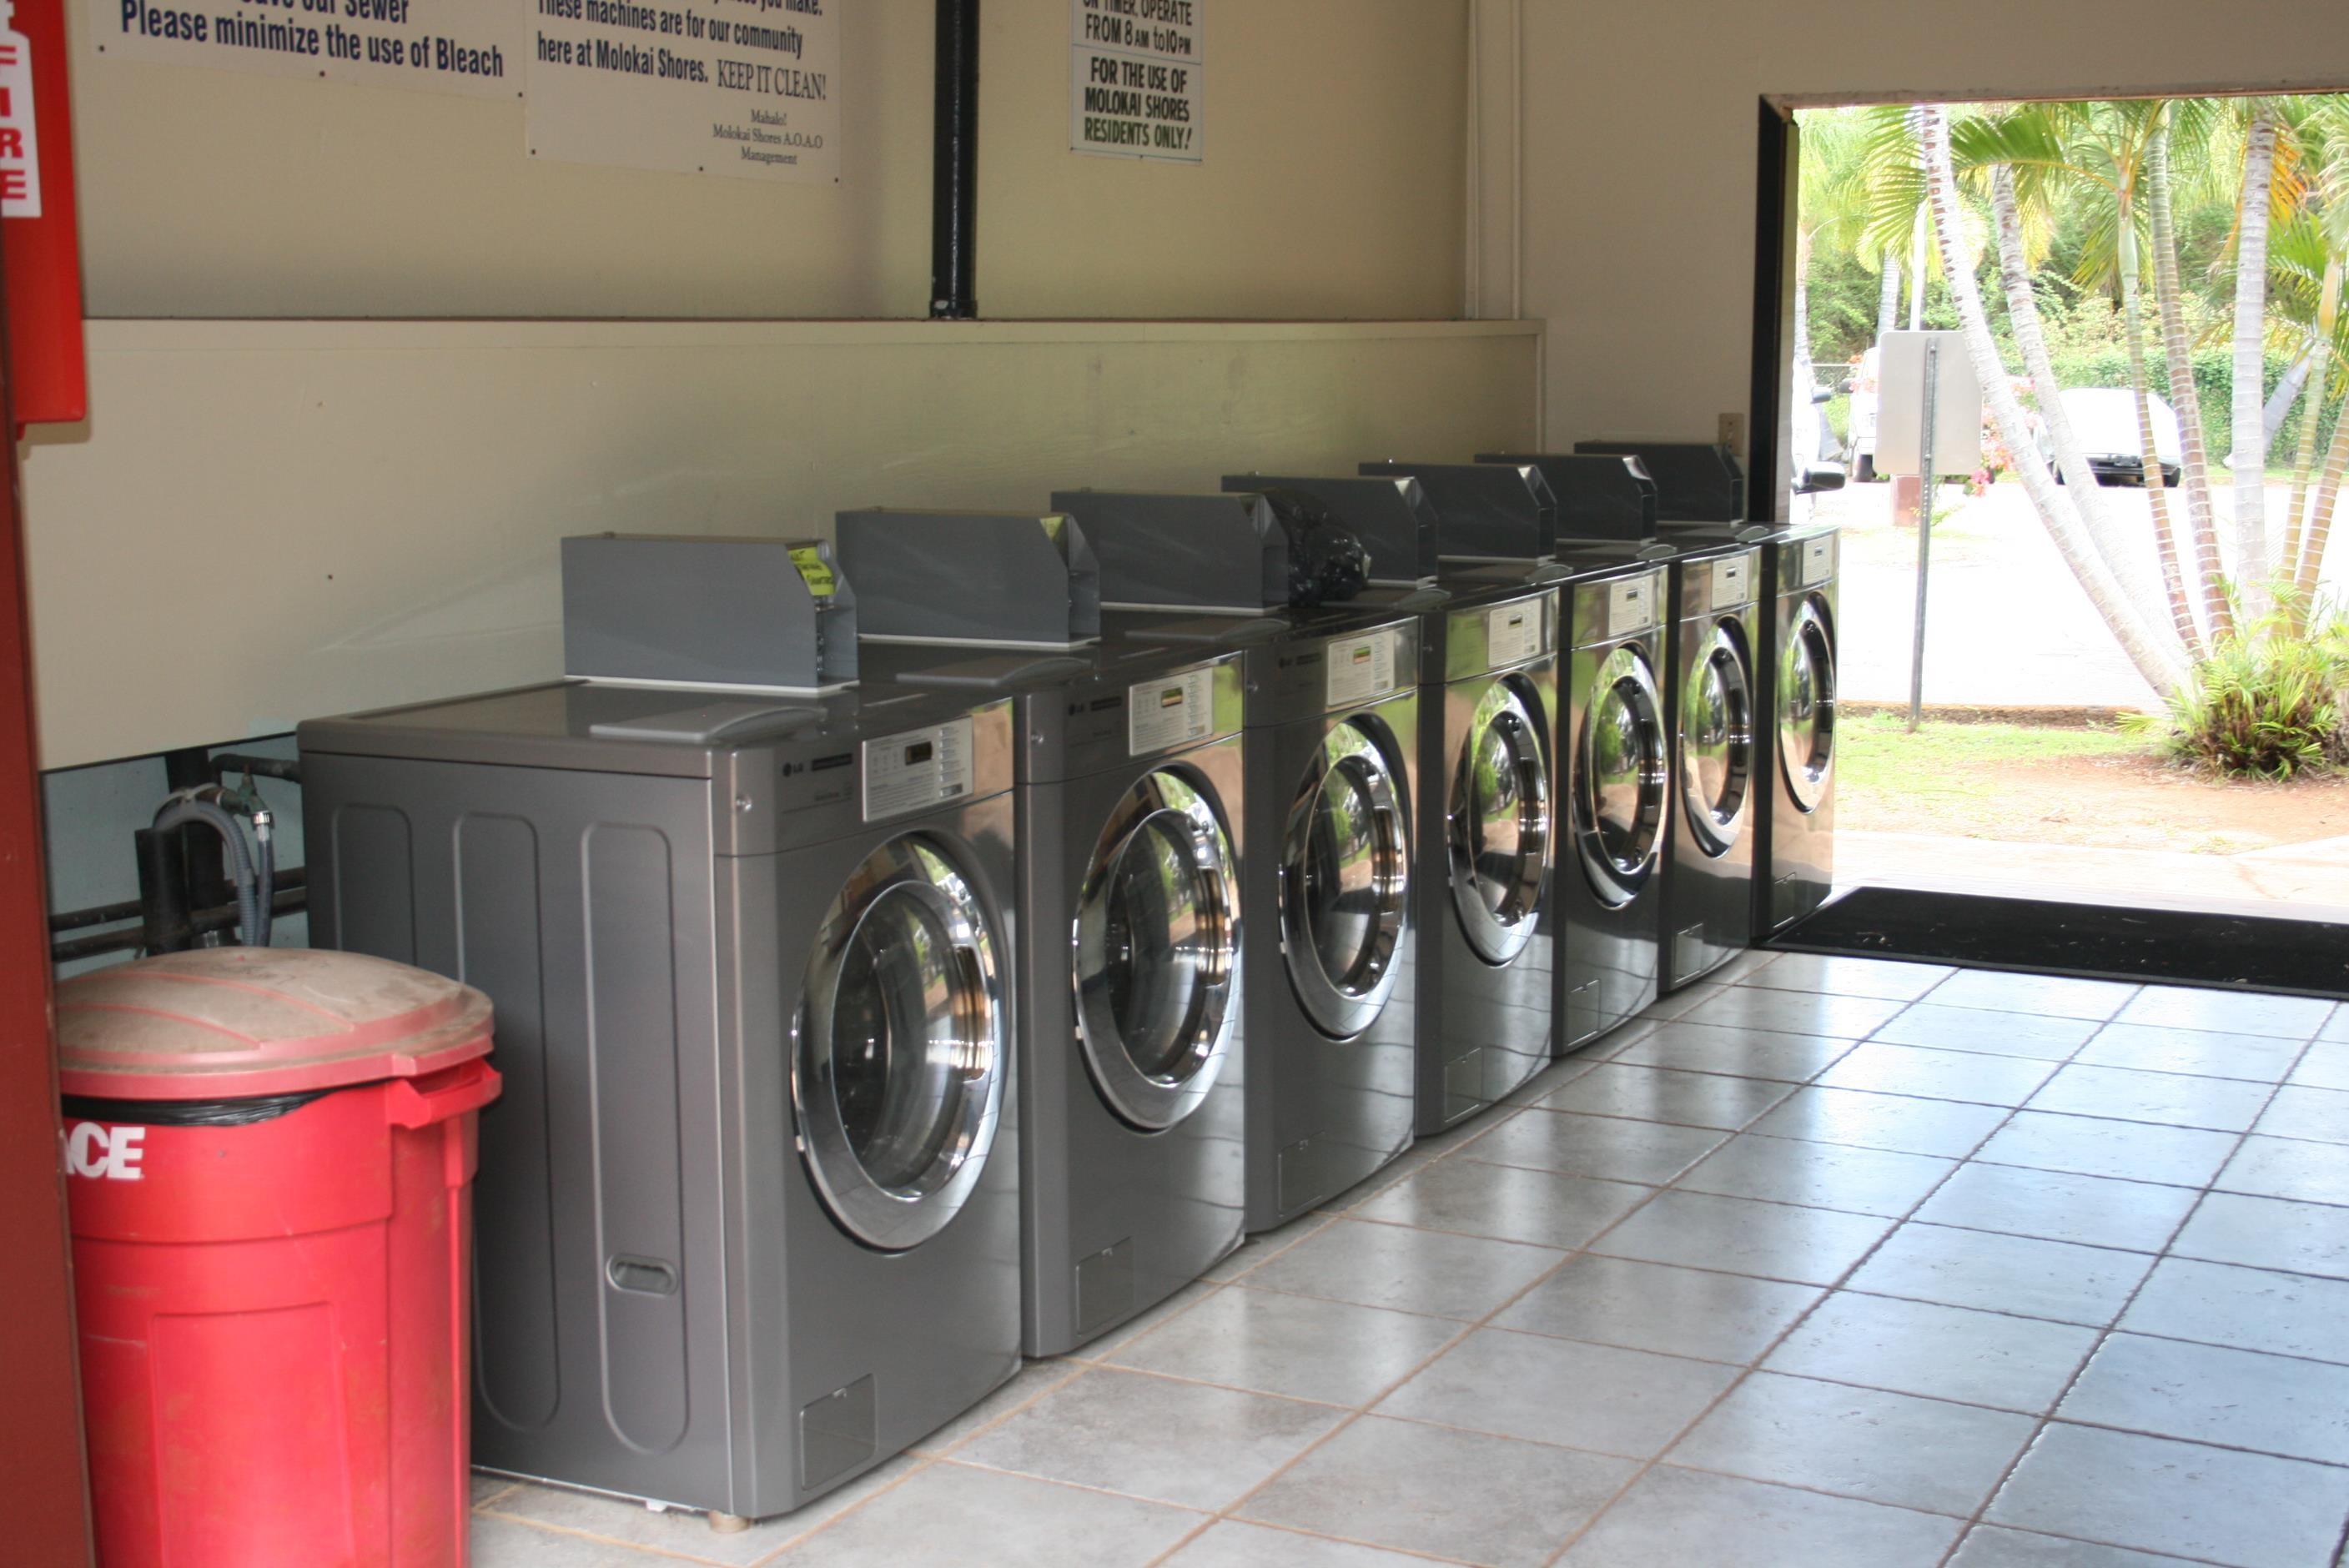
2306 882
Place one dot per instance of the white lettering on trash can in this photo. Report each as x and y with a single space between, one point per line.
93 1151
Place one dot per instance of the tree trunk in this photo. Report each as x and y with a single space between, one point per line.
1804 379
2177 349
2288 390
2156 493
1888 296
2303 456
2128 566
2254 564
2155 658
1917 269
2319 509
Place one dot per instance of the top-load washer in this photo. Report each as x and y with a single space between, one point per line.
1330 715
1130 833
747 1216
1617 749
1797 843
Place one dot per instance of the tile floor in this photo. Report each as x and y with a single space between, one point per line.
1837 1263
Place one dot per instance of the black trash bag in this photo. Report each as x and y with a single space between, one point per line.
1327 563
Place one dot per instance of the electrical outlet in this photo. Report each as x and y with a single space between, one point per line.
1731 434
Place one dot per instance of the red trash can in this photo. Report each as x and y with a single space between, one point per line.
270 1158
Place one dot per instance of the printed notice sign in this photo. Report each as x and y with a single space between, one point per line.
1630 607
1731 587
1361 669
1512 633
921 768
1138 84
432 46
749 88
1170 712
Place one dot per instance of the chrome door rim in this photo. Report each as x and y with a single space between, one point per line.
1157 1100
1717 829
1808 758
1618 882
893 1218
1498 937
1345 1005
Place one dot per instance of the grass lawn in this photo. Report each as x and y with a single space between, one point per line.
1876 756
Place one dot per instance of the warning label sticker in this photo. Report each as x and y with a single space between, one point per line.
1172 711
1361 669
1732 584
920 767
1630 607
1818 561
1512 633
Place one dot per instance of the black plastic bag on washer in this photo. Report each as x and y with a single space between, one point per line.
1327 563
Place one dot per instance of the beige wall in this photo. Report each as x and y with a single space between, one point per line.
1332 188
269 520
1639 157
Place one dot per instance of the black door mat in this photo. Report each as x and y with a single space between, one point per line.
2259 953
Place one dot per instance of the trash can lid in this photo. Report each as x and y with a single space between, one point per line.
233 1023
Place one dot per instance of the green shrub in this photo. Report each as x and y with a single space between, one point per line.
2271 703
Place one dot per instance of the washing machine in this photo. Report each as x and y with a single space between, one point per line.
1489 791
1332 736
747 1212
1797 839
1128 805
1617 745
1713 691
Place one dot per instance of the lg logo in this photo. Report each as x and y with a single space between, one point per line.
94 1150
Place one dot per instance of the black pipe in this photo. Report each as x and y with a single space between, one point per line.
954 165
203 922
228 762
162 892
111 913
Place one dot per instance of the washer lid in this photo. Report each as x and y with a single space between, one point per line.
237 1023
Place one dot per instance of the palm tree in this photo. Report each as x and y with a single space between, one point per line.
2177 351
2158 658
2253 561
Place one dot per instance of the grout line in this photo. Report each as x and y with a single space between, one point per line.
2104 1334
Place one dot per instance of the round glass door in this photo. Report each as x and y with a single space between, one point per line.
897 1073
1157 950
1500 825
1345 883
1806 705
1622 777
1717 740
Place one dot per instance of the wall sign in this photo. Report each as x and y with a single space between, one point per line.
463 47
1137 84
748 88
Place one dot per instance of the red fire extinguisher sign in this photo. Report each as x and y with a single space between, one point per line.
38 245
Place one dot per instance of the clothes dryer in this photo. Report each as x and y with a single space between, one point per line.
1714 688
1797 843
748 1216
1489 790
1130 1061
1619 769
1331 718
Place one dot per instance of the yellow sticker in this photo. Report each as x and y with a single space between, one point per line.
814 571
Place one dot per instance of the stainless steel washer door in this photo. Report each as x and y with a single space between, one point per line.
1345 883
1717 740
897 1074
1622 774
1157 952
1806 705
1498 825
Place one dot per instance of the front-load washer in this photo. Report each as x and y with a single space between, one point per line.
1489 790
1618 792
1713 690
1129 1064
1797 842
747 1217
1331 740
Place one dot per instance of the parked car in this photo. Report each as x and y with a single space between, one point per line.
2105 421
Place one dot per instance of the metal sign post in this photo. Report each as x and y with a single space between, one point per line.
1924 528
